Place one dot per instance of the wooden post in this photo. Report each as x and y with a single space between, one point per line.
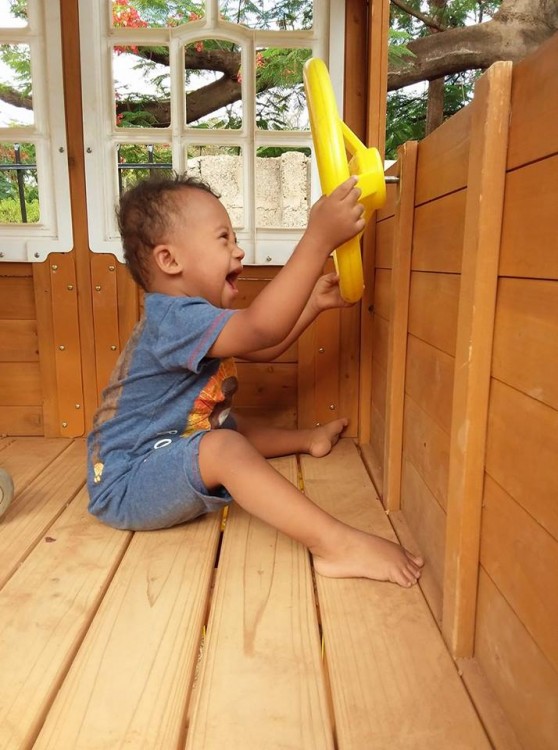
399 315
378 26
479 278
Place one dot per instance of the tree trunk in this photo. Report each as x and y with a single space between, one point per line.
517 29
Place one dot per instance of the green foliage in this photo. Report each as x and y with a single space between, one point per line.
10 211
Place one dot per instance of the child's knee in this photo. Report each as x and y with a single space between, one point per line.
220 451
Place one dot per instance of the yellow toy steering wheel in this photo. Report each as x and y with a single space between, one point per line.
332 139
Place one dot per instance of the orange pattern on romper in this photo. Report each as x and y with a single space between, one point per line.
214 401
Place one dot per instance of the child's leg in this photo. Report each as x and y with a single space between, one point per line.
278 441
340 551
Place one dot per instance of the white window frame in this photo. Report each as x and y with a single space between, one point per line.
53 233
98 38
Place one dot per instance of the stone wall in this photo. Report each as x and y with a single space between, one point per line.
282 187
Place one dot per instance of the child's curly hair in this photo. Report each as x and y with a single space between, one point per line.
145 214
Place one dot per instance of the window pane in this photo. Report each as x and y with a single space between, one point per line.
221 168
282 187
146 13
280 101
19 188
281 15
137 162
13 15
141 86
15 79
213 75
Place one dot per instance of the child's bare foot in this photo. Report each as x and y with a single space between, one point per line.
369 556
324 437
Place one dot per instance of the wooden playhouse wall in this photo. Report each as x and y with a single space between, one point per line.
463 420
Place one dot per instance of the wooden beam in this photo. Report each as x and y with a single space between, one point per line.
479 278
398 324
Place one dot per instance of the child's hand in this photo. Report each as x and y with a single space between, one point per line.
336 218
326 295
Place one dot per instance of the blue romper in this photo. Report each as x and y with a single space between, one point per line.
163 396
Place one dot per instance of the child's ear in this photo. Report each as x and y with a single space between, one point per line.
166 260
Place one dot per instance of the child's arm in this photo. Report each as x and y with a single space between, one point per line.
273 314
324 296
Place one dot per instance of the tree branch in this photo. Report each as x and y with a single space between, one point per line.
427 20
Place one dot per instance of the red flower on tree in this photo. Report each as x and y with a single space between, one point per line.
126 16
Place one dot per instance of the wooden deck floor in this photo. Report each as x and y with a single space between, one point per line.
206 640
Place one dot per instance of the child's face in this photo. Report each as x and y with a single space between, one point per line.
205 245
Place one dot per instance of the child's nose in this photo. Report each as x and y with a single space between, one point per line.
239 252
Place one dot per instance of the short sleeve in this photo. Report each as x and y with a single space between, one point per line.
183 329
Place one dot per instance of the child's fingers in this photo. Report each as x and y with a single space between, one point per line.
345 188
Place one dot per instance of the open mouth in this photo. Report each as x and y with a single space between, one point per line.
231 279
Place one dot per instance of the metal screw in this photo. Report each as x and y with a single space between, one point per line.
54 267
268 259
113 348
61 149
321 350
62 347
78 406
70 287
98 288
1 255
89 150
36 255
332 407
64 424
111 268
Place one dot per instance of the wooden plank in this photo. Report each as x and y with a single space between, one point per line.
382 293
384 241
16 298
393 682
20 384
378 28
80 256
379 389
128 302
429 381
141 649
438 234
521 558
534 106
8 269
388 209
366 332
525 353
399 313
266 384
262 634
18 341
430 587
527 688
286 416
105 317
373 452
45 610
47 358
349 368
473 353
35 509
381 341
492 715
426 520
443 157
426 446
28 457
521 451
529 243
67 352
433 302
21 420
